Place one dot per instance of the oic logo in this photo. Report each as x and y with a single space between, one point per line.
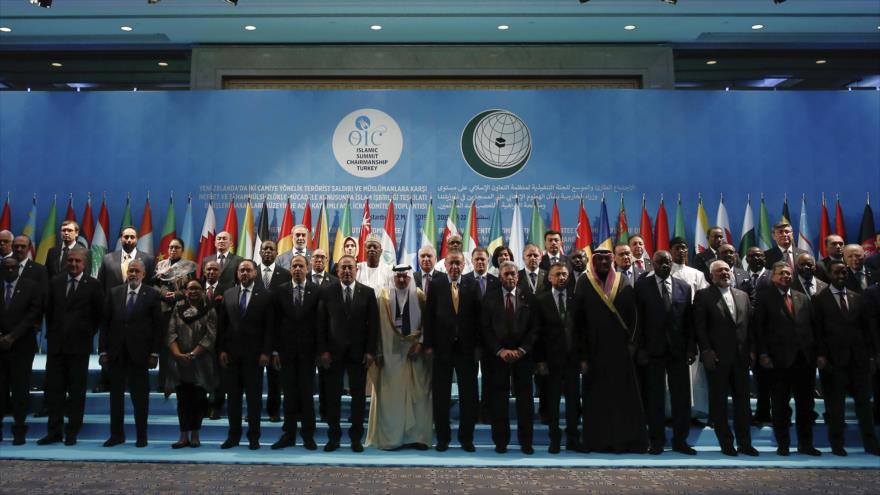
496 144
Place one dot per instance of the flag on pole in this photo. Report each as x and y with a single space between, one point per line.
389 237
786 216
555 224
6 216
679 220
99 239
207 237
824 229
839 226
322 234
604 239
429 229
450 229
723 221
409 251
126 222
145 236
804 238
285 236
261 233
307 217
496 235
30 228
342 232
273 226
49 237
71 215
584 233
748 240
516 236
246 240
866 229
169 229
536 227
765 238
366 230
87 226
471 235
231 226
187 234
622 224
661 228
701 242
645 230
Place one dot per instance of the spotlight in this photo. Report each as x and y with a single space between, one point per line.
42 3
583 1
151 2
233 2
670 2
778 1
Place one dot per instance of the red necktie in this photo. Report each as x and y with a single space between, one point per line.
509 305
844 308
789 305
640 264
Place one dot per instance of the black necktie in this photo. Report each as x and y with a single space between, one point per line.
132 295
509 306
561 305
348 296
667 300
8 296
297 296
482 285
534 278
808 285
222 261
72 287
844 308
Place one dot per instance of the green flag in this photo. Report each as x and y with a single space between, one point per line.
126 221
48 239
765 239
429 229
679 221
536 227
342 232
496 235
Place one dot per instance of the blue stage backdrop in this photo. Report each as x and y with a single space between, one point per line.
469 145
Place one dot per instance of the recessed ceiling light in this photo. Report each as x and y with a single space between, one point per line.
757 26
376 27
630 27
711 62
56 64
503 27
250 28
5 29
821 61
126 28
163 64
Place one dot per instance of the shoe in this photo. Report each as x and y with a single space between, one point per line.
684 449
18 440
419 446
310 444
113 441
872 450
468 447
284 441
441 447
70 440
655 450
195 444
839 451
254 444
141 443
331 446
500 449
809 450
49 439
274 418
213 415
729 451
782 451
553 448
748 450
180 445
574 446
229 443
357 447
527 450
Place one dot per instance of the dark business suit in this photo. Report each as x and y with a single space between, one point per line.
491 282
788 339
647 265
631 276
71 323
846 340
740 278
19 320
129 337
243 336
728 336
286 257
818 285
110 273
55 265
822 268
326 279
454 339
38 273
872 306
280 276
853 279
545 261
347 332
541 282
295 340
228 272
556 346
774 254
702 261
665 342
420 280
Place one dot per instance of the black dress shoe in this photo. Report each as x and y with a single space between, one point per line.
331 446
500 449
140 443
729 451
839 451
684 449
748 450
574 446
49 439
70 440
553 448
782 451
310 444
229 443
194 444
180 445
655 450
213 415
254 444
468 447
441 447
274 418
872 450
284 441
113 441
809 450
18 440
420 446
527 450
357 447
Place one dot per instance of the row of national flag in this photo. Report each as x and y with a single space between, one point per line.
254 228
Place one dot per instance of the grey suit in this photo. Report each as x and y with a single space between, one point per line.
110 273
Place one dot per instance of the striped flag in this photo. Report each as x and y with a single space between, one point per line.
804 238
622 224
389 237
701 242
6 216
322 233
866 229
516 236
285 236
471 236
409 251
246 240
765 239
49 237
723 221
536 227
207 237
261 233
786 216
604 237
99 240
366 230
496 235
748 240
645 230
343 231
450 229
661 228
169 229
583 231
187 234
145 236
30 228
429 229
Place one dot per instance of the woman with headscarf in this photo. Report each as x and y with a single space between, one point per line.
172 274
